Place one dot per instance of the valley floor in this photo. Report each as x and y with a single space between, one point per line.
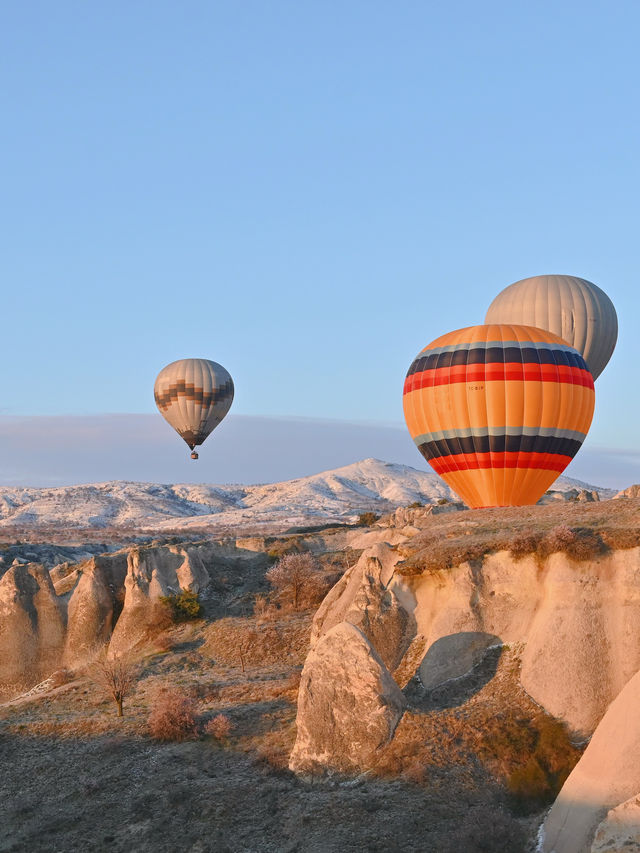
76 778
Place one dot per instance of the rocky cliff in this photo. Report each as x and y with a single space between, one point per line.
50 620
575 620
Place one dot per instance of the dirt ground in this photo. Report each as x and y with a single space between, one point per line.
74 777
126 794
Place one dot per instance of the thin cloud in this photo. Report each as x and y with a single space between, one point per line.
49 451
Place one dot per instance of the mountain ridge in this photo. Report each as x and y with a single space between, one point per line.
334 495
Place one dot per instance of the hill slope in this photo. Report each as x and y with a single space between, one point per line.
369 485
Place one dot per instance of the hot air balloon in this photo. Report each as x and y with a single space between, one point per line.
498 411
573 308
193 395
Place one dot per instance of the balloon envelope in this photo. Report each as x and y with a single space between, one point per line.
573 308
193 395
498 411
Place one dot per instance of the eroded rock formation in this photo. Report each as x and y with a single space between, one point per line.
576 622
50 620
95 603
619 832
152 574
349 704
32 626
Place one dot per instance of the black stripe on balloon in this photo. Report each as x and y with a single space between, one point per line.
191 392
495 355
500 444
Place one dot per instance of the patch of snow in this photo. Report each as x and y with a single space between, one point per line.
338 495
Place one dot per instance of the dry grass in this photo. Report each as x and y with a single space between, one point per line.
61 677
497 731
262 644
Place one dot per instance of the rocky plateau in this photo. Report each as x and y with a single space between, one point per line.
431 601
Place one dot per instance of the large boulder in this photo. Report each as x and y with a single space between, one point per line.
607 775
348 705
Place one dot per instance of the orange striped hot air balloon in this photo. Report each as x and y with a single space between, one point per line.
498 411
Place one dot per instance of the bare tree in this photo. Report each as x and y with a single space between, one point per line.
116 675
243 648
296 580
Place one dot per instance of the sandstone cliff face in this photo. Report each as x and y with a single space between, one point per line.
31 627
577 624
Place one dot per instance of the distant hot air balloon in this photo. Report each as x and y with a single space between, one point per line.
498 411
193 395
573 308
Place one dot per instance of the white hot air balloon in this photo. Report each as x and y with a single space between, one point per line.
575 309
193 395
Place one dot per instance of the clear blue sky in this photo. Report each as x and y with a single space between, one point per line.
306 192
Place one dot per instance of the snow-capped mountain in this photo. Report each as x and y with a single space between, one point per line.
370 485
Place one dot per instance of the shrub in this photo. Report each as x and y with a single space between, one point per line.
183 606
415 505
579 543
555 752
367 519
219 727
525 544
173 715
545 756
281 547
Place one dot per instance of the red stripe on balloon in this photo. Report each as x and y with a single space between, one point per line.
511 371
475 461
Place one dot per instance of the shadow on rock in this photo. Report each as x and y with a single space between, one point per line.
453 669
